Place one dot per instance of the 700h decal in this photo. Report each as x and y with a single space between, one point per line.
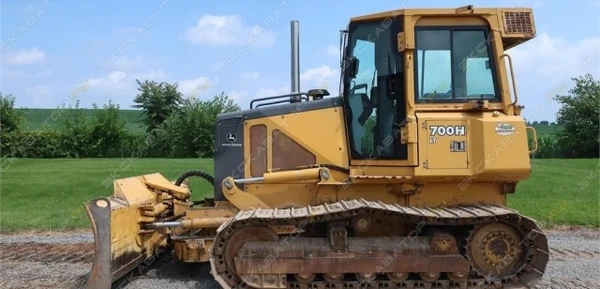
451 130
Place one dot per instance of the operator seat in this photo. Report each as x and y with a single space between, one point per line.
361 109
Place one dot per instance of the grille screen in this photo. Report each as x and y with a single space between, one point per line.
288 154
258 150
518 23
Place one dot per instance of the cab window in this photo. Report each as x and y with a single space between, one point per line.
454 65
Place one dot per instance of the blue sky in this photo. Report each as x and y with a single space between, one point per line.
56 50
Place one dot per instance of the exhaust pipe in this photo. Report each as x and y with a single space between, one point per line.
295 60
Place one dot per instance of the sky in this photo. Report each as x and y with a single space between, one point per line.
55 52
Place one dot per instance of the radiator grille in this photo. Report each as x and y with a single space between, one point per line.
518 23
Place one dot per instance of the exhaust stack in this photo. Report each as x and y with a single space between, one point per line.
295 59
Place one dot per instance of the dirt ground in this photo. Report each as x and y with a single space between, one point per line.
63 260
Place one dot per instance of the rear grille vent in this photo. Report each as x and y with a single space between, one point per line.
518 23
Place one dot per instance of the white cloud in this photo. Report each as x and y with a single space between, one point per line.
320 77
195 87
225 30
251 76
318 73
126 63
114 81
332 50
120 85
25 56
556 59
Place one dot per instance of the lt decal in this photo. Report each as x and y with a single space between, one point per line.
449 130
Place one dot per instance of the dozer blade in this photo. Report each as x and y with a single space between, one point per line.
121 244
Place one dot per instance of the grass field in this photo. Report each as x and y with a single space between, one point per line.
561 191
49 193
37 117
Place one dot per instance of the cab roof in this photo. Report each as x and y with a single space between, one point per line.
468 10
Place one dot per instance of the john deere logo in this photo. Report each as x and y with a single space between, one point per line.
505 129
231 137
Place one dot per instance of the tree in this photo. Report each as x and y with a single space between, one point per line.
158 101
10 123
11 119
544 122
100 133
191 131
107 130
579 119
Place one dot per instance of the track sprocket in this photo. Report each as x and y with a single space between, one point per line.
495 249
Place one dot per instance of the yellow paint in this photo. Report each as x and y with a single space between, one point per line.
436 150
496 152
302 127
434 194
159 182
211 212
291 176
281 195
130 194
241 199
132 190
473 167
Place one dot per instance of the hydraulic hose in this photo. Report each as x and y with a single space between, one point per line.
188 174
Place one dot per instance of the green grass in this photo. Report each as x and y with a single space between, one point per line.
561 191
37 118
49 193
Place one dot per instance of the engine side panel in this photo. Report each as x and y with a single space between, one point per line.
290 132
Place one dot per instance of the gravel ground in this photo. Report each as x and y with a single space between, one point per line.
50 261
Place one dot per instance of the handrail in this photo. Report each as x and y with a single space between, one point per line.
535 140
273 102
512 75
290 95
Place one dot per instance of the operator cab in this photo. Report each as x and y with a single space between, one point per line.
444 62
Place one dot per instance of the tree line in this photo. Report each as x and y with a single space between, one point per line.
578 132
177 127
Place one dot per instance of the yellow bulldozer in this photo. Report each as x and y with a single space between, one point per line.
401 181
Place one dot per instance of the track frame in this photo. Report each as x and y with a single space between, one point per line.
525 276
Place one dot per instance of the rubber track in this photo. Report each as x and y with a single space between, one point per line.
526 277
